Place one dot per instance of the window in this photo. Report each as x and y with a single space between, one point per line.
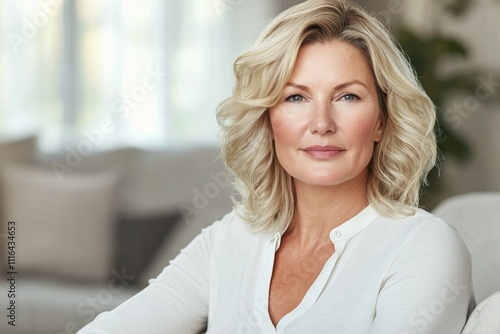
120 72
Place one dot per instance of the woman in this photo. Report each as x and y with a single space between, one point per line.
329 136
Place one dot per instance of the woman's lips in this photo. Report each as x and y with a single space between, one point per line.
323 152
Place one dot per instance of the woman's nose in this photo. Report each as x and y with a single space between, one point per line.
322 119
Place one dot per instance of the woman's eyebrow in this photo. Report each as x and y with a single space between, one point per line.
338 87
295 85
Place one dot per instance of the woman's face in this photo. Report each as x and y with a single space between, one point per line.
328 118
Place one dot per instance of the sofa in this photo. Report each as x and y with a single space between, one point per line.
90 231
477 217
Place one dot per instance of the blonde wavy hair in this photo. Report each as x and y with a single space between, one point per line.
401 160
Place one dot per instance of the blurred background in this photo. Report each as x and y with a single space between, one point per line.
109 144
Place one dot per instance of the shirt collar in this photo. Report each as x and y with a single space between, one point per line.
354 225
347 229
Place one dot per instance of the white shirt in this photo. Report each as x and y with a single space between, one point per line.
410 275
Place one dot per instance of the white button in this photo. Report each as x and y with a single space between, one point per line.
337 234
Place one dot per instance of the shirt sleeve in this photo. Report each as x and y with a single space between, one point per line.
175 302
428 288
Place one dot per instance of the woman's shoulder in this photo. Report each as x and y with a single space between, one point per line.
231 222
425 233
232 227
416 235
420 223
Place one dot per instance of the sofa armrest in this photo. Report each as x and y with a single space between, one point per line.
485 317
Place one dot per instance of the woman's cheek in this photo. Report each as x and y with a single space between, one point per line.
284 130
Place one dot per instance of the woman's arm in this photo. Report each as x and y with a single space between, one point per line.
428 288
175 302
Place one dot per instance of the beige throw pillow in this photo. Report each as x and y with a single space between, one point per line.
62 228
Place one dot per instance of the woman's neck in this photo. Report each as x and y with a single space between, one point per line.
319 209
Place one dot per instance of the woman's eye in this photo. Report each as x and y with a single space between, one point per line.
350 97
295 98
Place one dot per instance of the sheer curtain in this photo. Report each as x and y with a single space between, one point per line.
97 74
